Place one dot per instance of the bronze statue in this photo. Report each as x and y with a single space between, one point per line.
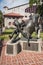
25 28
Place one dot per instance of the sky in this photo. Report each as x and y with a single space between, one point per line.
11 3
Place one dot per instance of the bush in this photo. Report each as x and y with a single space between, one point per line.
8 31
35 35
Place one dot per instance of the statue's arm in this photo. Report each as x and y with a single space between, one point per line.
14 32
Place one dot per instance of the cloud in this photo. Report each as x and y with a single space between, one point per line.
18 2
11 3
5 3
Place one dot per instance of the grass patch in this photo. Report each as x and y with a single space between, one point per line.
6 37
8 32
35 35
41 35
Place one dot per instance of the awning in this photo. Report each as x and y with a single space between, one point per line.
13 15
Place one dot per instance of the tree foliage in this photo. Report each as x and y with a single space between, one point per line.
31 2
1 18
39 6
40 10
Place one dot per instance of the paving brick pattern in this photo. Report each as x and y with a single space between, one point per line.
23 58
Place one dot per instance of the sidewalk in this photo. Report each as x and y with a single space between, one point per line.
23 58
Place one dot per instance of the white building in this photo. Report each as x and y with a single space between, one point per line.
17 9
9 13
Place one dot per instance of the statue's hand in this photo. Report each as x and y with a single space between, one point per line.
10 36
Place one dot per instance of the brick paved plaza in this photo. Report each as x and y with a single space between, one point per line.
23 58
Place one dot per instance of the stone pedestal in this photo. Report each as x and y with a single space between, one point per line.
21 45
39 44
13 48
34 45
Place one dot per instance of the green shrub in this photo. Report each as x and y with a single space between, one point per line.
8 31
35 35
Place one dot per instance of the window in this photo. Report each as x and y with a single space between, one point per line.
13 23
9 23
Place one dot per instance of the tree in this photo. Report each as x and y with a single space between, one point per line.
39 6
31 2
40 10
1 21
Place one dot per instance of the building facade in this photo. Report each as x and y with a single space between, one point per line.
9 19
18 10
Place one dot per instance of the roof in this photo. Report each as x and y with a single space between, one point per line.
18 6
13 15
5 7
23 58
